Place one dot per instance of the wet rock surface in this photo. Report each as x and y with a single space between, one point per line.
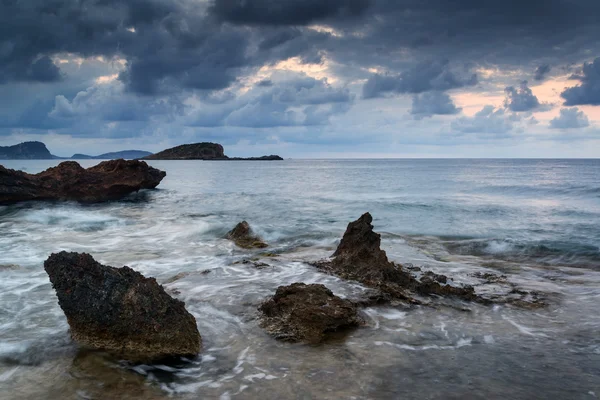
360 258
109 180
243 236
306 313
120 310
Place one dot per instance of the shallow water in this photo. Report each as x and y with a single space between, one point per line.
536 221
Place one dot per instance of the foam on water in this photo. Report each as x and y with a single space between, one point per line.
536 222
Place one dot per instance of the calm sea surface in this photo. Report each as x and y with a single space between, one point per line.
535 221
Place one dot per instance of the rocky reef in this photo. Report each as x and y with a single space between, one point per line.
109 180
120 310
306 313
360 258
243 236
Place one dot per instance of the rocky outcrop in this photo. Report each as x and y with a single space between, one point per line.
243 237
203 151
272 157
360 258
109 180
26 151
196 151
119 310
306 313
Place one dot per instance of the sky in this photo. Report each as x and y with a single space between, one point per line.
304 78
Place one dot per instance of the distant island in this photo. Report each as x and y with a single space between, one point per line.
26 151
195 151
39 151
203 151
126 154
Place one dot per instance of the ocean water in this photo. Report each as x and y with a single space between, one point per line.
535 221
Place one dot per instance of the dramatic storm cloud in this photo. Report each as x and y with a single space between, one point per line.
588 92
330 75
521 98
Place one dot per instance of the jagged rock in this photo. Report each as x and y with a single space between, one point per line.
109 180
360 258
120 310
243 237
306 313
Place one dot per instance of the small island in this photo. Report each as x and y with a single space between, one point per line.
203 151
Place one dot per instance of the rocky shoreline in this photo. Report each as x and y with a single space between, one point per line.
121 311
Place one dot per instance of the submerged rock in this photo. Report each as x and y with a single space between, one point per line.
306 313
120 310
109 180
360 258
243 237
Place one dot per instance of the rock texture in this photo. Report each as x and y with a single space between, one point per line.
203 151
306 313
360 258
119 310
25 151
243 237
109 180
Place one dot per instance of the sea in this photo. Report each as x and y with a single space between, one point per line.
534 222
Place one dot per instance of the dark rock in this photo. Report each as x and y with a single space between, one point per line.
203 151
119 310
306 313
272 157
196 151
243 237
109 180
26 151
490 278
360 258
255 264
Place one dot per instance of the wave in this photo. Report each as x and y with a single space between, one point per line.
549 253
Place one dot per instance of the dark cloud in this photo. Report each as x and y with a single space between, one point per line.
287 12
436 75
489 121
432 103
570 118
541 72
588 92
295 100
108 103
521 98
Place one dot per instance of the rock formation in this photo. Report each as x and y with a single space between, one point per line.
109 180
203 151
26 151
119 310
306 313
243 237
360 258
196 151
